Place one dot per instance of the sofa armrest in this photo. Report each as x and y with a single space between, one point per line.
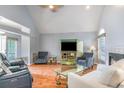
90 61
101 67
1 72
17 62
14 68
75 81
81 58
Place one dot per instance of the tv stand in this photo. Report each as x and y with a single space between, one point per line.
68 57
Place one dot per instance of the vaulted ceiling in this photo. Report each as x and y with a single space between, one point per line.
69 18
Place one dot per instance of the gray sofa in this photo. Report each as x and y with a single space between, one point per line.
42 57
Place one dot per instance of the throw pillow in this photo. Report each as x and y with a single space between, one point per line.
119 64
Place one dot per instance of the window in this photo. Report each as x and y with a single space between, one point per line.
102 47
11 48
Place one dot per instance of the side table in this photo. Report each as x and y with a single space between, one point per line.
52 60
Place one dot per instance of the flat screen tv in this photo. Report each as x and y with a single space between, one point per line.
68 46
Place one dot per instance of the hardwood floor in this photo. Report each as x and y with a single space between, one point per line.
44 76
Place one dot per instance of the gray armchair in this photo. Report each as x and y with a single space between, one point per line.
86 60
14 65
13 76
42 57
20 79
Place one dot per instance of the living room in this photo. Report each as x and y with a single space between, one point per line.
63 45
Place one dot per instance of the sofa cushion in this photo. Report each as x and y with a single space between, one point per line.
119 64
112 77
76 81
102 67
94 75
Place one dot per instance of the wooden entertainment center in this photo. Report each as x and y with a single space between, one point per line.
69 57
68 51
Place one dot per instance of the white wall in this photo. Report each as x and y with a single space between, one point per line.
21 15
113 23
25 48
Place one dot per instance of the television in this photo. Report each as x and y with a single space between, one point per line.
68 46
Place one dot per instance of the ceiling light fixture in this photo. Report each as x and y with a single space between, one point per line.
51 6
87 7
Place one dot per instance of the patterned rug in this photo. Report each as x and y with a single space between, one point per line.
44 76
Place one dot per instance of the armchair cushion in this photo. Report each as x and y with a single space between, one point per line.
88 57
82 62
42 57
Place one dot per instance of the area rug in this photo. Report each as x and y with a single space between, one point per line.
44 76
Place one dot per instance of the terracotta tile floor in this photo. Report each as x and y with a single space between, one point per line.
44 75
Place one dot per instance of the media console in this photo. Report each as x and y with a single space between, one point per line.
68 57
68 51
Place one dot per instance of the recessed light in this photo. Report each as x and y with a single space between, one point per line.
51 6
87 7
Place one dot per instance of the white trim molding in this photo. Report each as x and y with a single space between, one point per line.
6 22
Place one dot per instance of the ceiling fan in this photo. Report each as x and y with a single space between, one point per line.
53 8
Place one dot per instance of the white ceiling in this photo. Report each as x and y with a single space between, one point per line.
67 19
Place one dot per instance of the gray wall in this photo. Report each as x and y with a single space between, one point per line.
51 42
21 15
113 23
